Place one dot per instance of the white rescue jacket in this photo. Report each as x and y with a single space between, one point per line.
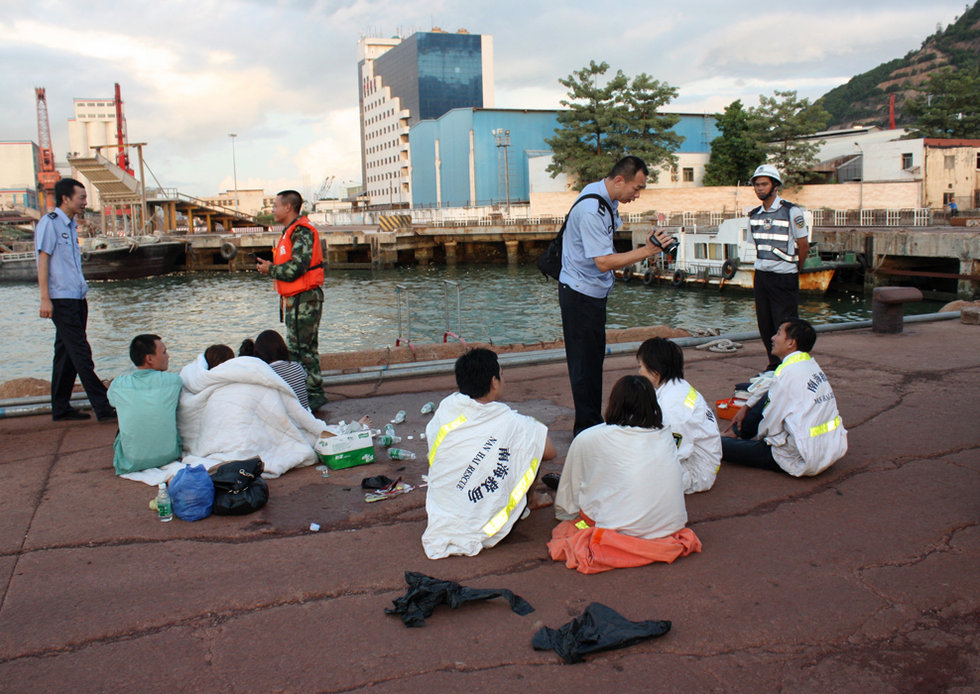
483 459
690 418
801 422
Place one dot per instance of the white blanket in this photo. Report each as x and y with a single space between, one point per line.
237 410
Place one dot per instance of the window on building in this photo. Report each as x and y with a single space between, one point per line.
906 160
950 162
947 197
688 175
978 160
673 174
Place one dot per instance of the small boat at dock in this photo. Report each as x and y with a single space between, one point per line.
724 256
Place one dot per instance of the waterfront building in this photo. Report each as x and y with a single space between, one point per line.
93 125
461 159
20 160
252 201
404 81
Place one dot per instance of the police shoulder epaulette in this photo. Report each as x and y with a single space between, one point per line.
787 203
755 210
53 215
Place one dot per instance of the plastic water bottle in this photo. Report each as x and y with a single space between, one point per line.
165 509
388 441
399 418
389 429
401 454
428 408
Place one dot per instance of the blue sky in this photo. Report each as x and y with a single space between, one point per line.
282 75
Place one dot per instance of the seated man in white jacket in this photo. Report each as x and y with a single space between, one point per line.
685 411
801 431
483 460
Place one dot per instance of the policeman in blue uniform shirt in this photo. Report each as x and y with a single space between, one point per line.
781 237
63 291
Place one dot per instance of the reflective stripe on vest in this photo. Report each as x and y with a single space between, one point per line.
581 525
500 520
443 430
771 233
825 427
798 357
313 277
691 399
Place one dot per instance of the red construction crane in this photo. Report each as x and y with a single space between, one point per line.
47 176
122 158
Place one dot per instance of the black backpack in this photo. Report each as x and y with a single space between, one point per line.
549 262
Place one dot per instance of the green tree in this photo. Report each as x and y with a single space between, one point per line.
779 123
734 154
947 106
602 124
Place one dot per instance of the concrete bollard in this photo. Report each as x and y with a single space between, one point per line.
886 307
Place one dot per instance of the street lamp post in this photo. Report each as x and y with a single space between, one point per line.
501 138
234 167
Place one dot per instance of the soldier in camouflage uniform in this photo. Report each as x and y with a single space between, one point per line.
298 270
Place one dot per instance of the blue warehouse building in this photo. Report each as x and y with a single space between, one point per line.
456 161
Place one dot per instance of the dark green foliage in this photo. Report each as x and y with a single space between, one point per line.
735 153
778 123
947 105
602 124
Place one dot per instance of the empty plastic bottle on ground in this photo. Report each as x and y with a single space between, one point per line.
165 509
387 440
400 417
389 429
401 454
428 408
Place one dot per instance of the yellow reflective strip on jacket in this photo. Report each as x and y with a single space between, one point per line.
691 399
825 427
799 356
500 520
581 525
443 430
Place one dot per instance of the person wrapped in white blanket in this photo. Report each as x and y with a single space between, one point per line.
240 408
687 413
483 459
801 431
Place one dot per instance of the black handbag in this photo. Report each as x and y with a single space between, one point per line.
239 488
549 262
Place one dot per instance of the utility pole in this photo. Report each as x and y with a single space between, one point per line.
234 167
501 138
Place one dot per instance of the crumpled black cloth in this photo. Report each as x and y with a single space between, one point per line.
426 593
599 628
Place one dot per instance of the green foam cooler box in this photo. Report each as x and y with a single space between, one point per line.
346 450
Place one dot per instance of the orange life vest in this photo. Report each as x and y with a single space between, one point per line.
313 277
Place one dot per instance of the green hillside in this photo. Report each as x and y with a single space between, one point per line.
864 99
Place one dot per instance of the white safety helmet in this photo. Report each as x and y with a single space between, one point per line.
767 170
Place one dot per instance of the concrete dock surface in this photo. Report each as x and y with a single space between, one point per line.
863 579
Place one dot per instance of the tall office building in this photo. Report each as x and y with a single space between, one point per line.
405 81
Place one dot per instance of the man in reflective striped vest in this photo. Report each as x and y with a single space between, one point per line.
483 459
781 237
297 268
801 431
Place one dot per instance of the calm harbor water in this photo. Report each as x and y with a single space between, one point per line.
498 304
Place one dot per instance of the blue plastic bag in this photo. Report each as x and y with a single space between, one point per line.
192 493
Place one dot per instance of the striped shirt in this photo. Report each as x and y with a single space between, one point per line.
293 373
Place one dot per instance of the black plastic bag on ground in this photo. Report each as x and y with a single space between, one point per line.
239 488
426 593
599 628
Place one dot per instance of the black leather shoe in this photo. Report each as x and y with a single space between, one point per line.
109 416
70 415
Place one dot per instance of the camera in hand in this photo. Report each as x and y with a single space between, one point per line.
669 248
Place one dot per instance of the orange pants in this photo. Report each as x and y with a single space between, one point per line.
593 550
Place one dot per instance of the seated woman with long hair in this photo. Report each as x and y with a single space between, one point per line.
621 494
271 348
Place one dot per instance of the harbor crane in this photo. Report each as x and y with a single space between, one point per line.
47 175
321 193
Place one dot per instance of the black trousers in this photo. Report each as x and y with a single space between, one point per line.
777 298
73 357
583 323
744 450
